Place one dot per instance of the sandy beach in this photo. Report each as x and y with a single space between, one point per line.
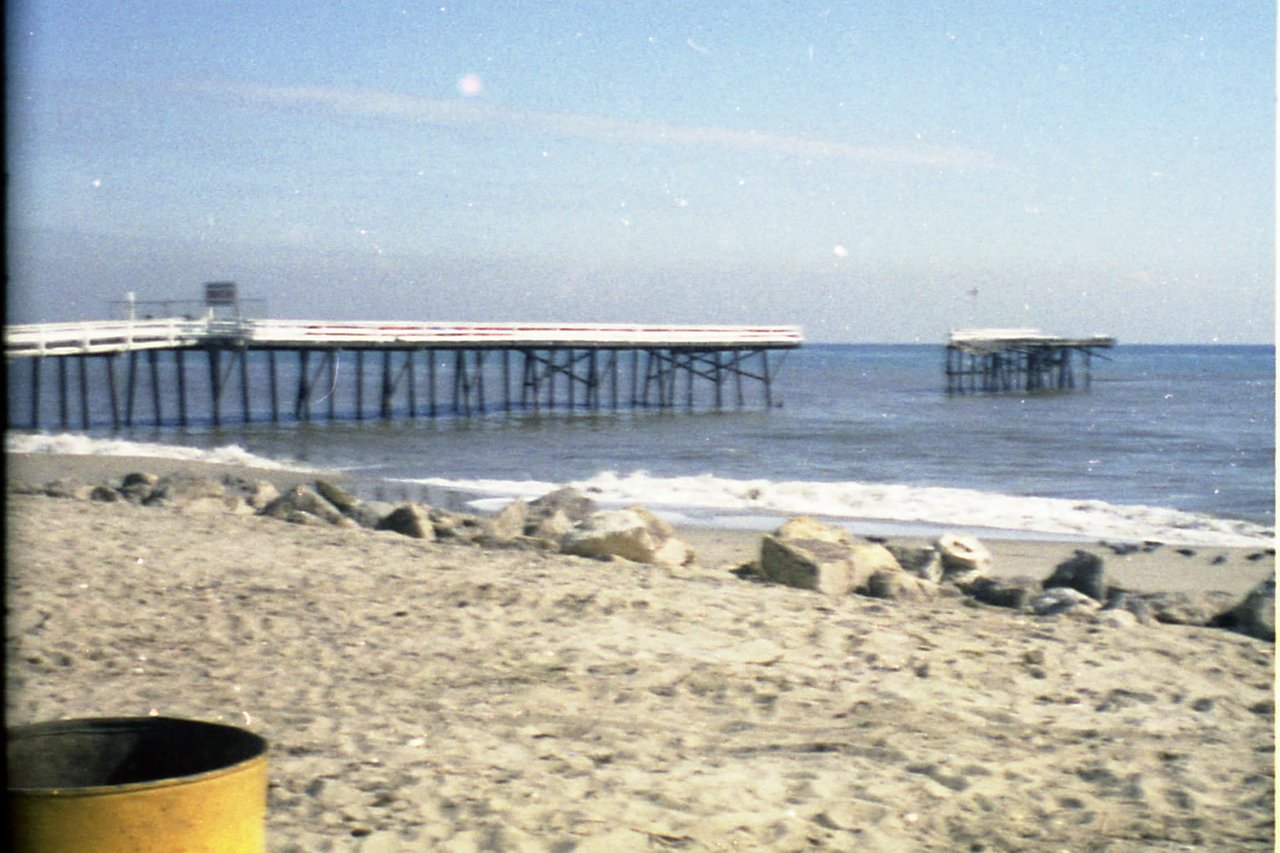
427 695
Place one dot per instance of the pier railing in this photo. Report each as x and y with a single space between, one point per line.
425 368
110 336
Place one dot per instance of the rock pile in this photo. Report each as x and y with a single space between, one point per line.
810 554
563 520
804 552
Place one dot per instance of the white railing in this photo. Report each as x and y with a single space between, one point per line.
51 339
38 339
284 332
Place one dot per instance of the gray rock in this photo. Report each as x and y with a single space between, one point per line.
342 500
1255 615
409 520
1081 571
1016 593
302 499
106 494
922 561
1119 599
633 534
183 489
68 489
568 500
137 486
457 527
898 585
1186 608
1064 600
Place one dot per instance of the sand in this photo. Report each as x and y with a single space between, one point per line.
435 696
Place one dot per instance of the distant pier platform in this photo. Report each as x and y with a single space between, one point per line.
285 369
1018 360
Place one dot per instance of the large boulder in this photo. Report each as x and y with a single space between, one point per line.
410 520
302 499
810 554
191 493
137 486
1255 615
807 564
1016 593
566 501
633 534
964 558
1081 571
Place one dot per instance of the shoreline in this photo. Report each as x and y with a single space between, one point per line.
1169 568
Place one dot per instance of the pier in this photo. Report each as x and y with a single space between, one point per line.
1018 360
183 370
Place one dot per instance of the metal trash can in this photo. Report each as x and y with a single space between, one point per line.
144 784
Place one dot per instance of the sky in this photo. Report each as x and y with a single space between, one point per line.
870 171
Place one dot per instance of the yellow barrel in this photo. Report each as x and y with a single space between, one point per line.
141 784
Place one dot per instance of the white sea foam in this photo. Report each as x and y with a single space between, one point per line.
70 444
897 505
753 502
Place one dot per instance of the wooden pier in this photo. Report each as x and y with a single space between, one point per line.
273 370
1018 360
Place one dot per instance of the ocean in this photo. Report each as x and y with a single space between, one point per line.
1169 443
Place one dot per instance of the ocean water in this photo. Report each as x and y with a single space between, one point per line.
1172 443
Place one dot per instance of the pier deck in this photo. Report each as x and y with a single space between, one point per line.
555 366
1017 360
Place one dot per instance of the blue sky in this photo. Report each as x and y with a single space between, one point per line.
860 169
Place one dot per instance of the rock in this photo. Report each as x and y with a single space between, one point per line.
568 500
1255 615
106 494
964 558
1116 618
68 489
510 523
410 520
188 491
342 500
553 526
1064 600
260 493
137 486
1081 571
807 564
458 527
1186 608
1015 593
633 534
899 585
1119 599
302 499
805 527
922 561
811 554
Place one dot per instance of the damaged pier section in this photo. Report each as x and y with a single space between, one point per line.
1018 360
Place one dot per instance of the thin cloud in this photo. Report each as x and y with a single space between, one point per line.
392 105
